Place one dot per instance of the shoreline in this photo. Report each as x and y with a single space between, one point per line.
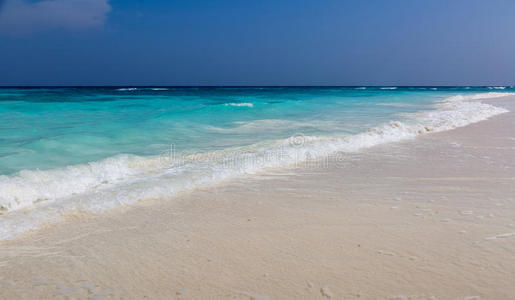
418 218
35 198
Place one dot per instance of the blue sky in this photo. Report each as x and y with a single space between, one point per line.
226 42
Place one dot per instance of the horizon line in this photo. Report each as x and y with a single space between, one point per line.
248 86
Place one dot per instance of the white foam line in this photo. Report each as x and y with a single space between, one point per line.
240 104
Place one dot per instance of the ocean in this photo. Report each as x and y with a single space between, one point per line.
94 149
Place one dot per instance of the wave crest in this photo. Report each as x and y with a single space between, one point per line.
243 104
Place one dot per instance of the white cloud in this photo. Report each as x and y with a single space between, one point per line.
22 17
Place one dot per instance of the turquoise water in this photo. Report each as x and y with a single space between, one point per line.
48 128
66 149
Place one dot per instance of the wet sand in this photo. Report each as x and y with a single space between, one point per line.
430 218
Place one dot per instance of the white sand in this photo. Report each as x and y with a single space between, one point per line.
432 218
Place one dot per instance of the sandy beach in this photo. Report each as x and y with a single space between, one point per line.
428 218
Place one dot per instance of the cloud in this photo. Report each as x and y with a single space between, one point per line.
23 17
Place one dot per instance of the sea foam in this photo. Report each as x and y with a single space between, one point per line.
31 198
244 104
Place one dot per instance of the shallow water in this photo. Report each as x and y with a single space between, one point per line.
48 128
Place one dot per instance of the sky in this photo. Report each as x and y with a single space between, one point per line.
241 42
